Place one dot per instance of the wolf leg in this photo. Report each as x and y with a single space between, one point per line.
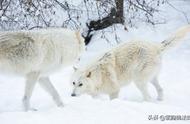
159 89
142 86
114 95
114 83
29 87
47 85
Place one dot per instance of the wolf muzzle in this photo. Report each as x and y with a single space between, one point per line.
73 94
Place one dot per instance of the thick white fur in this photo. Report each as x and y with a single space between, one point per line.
36 53
136 61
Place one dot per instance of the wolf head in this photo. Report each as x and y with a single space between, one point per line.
83 81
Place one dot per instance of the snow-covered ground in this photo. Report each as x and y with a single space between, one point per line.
129 107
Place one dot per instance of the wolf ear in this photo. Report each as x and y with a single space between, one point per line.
88 75
75 68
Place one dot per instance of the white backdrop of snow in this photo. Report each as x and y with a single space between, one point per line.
129 107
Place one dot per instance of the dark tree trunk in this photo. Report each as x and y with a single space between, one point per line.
119 7
115 16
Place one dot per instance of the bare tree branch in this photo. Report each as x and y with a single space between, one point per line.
184 14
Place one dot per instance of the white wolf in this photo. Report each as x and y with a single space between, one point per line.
136 61
36 53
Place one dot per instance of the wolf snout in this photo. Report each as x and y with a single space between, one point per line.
73 94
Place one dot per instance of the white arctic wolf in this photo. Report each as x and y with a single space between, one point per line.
35 54
136 61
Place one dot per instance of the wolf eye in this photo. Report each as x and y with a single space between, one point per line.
73 83
80 85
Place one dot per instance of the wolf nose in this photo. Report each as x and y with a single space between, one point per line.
73 94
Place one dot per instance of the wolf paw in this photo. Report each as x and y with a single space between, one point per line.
160 98
30 109
60 104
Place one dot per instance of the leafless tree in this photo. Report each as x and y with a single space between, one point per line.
116 15
92 15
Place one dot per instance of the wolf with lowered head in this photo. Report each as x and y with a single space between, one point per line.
135 61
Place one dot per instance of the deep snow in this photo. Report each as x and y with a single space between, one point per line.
129 107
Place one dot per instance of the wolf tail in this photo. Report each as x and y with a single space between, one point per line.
175 38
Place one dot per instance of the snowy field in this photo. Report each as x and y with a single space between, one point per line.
129 107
